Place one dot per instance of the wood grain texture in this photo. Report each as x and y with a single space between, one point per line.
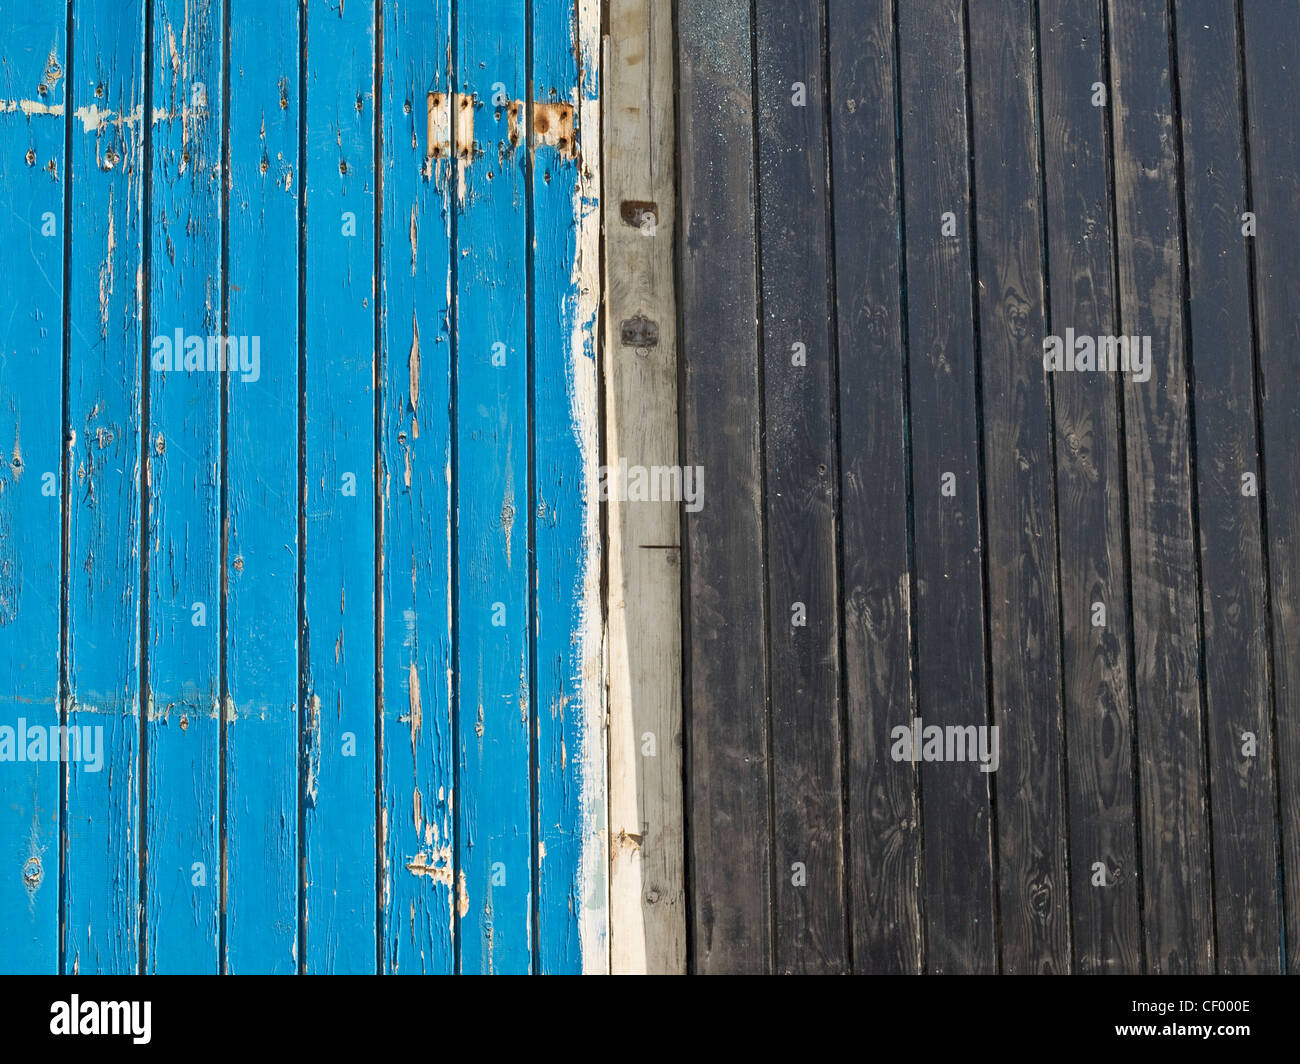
493 792
184 470
883 828
1269 45
570 860
1023 596
415 292
727 748
263 475
1089 498
33 175
647 871
952 682
107 177
338 576
801 471
1227 468
1178 915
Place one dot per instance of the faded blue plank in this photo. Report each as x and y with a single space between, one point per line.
107 178
570 792
416 484
32 125
493 799
181 787
339 463
262 479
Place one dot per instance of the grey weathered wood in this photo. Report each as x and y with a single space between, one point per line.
726 656
1089 498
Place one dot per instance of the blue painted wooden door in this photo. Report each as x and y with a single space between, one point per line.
300 660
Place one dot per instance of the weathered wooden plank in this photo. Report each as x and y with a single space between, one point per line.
801 471
951 679
564 144
1023 598
1095 616
33 174
262 484
647 870
883 836
493 793
183 476
108 176
1233 589
338 576
726 615
1175 838
415 293
1270 45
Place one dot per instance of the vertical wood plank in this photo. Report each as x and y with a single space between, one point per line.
647 870
494 804
1023 601
184 473
727 746
415 290
951 681
1090 501
1233 593
1270 45
107 177
33 174
1175 831
564 144
883 828
339 465
801 473
262 481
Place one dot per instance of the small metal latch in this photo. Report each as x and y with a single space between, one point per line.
639 332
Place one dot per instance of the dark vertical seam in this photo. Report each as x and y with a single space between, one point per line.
981 469
1122 419
1045 265
529 147
453 193
223 399
1257 394
144 700
913 640
379 363
684 589
1192 468
65 472
832 290
756 171
304 764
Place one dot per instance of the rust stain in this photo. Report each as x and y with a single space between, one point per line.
553 126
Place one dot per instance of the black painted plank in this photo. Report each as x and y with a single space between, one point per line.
1090 500
800 467
951 680
1272 61
1233 593
1023 603
1175 831
725 658
883 828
